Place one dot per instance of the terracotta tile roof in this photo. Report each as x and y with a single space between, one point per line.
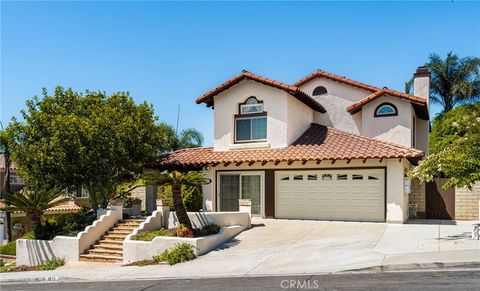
317 143
293 90
67 206
376 92
13 166
320 73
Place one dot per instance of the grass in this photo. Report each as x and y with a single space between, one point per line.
9 249
150 235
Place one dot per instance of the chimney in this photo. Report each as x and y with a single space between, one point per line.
421 83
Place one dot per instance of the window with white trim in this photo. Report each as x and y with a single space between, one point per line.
251 123
386 109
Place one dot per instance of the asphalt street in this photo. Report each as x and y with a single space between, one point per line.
422 280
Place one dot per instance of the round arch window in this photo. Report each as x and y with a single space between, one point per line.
320 90
386 109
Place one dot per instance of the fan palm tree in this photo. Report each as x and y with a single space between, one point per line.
454 80
176 180
34 202
172 140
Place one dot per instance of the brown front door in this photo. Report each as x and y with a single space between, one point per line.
440 204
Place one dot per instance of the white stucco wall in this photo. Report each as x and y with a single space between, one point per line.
339 97
300 117
396 205
422 132
396 129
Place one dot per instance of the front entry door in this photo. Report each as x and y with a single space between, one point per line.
235 186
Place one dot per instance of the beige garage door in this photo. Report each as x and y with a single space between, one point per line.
356 195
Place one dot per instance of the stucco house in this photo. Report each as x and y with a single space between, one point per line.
326 147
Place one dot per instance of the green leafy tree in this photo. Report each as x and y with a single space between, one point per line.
454 80
34 202
176 180
454 148
95 140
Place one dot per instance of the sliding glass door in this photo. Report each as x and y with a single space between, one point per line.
238 185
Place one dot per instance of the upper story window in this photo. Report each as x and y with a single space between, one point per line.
386 109
251 122
320 90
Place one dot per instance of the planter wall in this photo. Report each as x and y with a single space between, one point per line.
232 224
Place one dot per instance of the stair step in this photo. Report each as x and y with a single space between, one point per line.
114 237
108 246
106 252
123 227
120 232
101 258
111 241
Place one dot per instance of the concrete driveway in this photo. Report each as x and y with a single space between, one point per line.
280 247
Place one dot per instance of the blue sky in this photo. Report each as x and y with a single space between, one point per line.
169 53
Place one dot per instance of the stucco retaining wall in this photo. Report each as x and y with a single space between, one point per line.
467 203
134 251
35 252
232 224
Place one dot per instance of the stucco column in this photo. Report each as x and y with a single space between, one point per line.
396 207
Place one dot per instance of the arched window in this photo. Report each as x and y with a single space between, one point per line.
251 105
320 90
251 122
386 109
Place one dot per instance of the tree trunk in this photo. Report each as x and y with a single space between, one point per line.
93 199
35 220
179 207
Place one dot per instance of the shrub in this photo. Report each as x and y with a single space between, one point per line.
51 264
69 224
9 249
150 235
180 253
211 229
183 231
192 197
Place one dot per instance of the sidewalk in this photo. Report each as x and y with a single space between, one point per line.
277 247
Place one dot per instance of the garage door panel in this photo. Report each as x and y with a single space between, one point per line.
331 195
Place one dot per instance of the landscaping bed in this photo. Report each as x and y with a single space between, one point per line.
180 253
51 264
180 231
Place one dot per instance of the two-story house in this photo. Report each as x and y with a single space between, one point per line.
326 147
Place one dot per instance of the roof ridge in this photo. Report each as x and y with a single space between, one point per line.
348 81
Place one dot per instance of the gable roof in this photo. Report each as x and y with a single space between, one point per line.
419 103
293 90
317 143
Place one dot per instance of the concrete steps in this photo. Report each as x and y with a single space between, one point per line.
109 249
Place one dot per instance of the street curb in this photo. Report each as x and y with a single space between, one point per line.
420 267
416 267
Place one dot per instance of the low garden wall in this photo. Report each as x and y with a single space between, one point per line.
35 252
232 223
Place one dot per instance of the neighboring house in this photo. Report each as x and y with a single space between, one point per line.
326 147
16 182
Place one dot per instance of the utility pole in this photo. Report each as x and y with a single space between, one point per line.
178 119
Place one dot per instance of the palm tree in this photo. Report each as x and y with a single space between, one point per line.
172 140
176 180
34 203
454 80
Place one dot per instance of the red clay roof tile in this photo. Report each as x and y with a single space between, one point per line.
317 143
294 91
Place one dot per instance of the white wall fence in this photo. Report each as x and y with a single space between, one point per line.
35 252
